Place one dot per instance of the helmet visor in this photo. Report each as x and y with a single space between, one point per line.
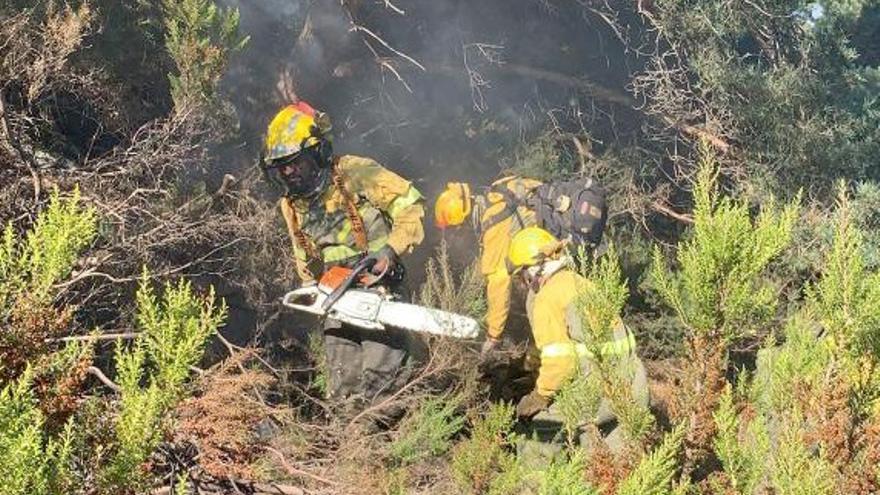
301 173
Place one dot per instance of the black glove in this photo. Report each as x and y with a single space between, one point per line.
531 404
384 260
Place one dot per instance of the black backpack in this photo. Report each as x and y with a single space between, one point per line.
575 209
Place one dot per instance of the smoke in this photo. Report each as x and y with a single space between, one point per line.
460 117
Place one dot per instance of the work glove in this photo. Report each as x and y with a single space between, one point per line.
531 404
489 346
385 260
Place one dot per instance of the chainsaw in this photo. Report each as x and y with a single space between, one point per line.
352 296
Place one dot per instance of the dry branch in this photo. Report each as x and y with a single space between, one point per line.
212 487
94 371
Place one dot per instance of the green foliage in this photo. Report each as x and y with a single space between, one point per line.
30 267
320 380
46 255
578 401
463 294
799 93
846 301
200 37
653 475
151 375
801 360
566 477
718 289
512 478
544 158
795 470
31 464
600 302
176 329
742 458
427 430
478 459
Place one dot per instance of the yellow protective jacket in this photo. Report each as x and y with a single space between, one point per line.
498 228
556 328
390 207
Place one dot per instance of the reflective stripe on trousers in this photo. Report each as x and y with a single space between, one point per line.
618 347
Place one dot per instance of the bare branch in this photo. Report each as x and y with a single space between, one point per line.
94 371
358 28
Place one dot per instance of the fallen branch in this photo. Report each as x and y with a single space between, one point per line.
669 212
204 487
94 338
293 471
700 133
610 95
94 371
590 87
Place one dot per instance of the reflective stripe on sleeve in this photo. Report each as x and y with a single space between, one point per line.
576 349
403 201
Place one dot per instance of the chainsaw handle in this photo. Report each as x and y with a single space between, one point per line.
306 299
359 268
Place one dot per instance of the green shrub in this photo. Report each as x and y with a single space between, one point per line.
427 431
479 459
151 374
320 379
30 267
743 456
802 360
719 289
566 477
463 294
795 470
544 157
600 302
578 401
846 301
200 37
654 473
31 463
47 253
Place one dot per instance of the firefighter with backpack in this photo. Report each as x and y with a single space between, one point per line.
574 210
543 263
339 211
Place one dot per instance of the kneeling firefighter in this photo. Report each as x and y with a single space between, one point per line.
575 210
540 259
342 210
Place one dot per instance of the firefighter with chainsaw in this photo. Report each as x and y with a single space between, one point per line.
574 209
342 211
557 327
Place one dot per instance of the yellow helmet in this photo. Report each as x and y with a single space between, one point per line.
293 129
530 246
453 205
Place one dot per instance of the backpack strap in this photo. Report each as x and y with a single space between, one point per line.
349 205
301 238
357 222
511 207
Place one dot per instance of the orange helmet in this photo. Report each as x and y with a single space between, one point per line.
453 205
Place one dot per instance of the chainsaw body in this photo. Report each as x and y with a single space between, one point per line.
373 308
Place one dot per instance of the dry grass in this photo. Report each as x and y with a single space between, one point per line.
222 420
